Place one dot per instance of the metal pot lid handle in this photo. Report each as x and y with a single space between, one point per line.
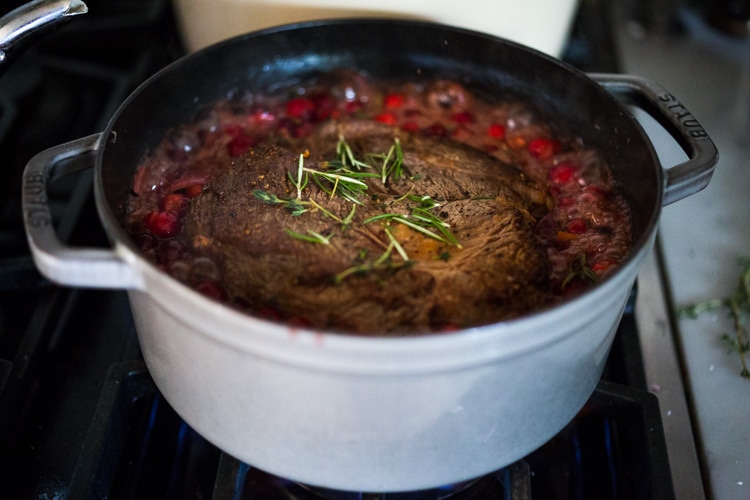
688 177
85 267
33 19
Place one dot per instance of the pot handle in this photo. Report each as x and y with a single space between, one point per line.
31 20
86 267
692 175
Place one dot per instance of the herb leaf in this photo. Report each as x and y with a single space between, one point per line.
311 236
737 306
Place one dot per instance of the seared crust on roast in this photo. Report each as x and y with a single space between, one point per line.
499 272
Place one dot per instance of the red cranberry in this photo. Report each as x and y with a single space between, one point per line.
325 106
393 100
233 130
163 224
463 117
193 190
387 118
175 203
211 289
169 251
300 108
543 148
410 126
299 322
352 107
577 226
496 130
240 145
436 130
562 173
602 265
269 313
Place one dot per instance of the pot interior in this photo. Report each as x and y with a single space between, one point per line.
383 49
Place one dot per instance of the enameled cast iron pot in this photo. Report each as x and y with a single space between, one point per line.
347 412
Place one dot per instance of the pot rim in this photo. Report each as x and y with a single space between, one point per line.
343 341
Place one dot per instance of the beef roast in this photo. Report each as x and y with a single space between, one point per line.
360 281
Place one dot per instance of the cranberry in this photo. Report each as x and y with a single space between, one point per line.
299 322
175 203
352 107
269 313
496 130
562 173
543 148
393 100
325 107
233 130
577 226
410 126
436 130
565 201
193 190
170 251
463 117
240 145
211 289
387 118
146 242
163 224
602 265
300 108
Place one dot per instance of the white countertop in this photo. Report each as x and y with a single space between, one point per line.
704 235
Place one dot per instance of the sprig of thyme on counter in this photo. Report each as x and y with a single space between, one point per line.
737 306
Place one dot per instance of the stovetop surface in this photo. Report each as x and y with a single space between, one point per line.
79 414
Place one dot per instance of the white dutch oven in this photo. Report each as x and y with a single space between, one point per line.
356 413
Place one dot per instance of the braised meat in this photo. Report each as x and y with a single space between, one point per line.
331 266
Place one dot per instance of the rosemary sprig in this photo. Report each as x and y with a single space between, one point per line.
420 219
579 268
311 236
301 182
346 157
295 206
392 163
348 184
737 307
384 262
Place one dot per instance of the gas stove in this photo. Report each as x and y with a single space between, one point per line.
80 416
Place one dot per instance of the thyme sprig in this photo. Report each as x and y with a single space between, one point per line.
737 306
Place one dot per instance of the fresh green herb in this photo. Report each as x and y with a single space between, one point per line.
295 206
345 155
737 307
579 268
396 245
384 262
420 219
347 184
392 166
301 182
311 236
